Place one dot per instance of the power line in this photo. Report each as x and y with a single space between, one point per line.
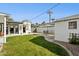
46 11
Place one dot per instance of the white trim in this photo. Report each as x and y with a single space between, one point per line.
4 30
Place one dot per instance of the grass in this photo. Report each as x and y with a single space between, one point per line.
31 45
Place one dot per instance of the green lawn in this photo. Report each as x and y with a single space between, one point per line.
31 45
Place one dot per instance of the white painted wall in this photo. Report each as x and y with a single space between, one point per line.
62 31
51 29
1 18
20 28
41 29
2 40
28 28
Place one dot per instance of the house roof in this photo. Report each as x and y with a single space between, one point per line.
72 17
46 25
10 20
26 21
4 14
15 22
19 22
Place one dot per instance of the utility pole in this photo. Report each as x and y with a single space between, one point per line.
49 13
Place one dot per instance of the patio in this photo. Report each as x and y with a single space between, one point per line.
73 48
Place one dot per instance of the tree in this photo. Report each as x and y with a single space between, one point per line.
36 24
43 22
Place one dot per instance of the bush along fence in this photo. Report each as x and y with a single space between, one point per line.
74 38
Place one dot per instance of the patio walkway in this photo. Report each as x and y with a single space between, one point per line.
73 48
1 46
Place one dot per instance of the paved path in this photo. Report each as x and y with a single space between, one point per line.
73 48
48 37
1 46
1 41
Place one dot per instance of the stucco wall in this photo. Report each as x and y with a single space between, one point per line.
28 28
41 29
62 31
1 19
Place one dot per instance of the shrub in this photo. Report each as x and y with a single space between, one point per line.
74 39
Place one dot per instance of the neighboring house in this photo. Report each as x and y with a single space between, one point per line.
10 27
65 27
34 28
62 28
46 28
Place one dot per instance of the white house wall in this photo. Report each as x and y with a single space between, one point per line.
20 28
41 29
29 28
51 29
62 31
1 19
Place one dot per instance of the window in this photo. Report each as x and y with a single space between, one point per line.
73 25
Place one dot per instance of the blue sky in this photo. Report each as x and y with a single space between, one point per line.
22 11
